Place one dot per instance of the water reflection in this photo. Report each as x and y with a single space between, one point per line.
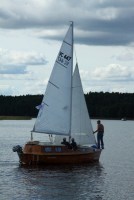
63 182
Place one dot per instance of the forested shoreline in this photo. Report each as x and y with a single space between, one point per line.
100 105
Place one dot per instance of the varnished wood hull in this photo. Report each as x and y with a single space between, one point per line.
41 155
32 159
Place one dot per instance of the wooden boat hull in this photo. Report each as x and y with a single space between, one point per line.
32 159
57 154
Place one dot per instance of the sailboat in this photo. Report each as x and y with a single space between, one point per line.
62 114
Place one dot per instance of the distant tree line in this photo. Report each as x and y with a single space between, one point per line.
100 105
19 105
110 105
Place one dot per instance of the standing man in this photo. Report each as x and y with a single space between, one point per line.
100 133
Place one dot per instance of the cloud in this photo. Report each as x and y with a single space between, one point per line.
6 89
19 57
27 58
114 72
127 55
12 69
113 78
13 62
100 22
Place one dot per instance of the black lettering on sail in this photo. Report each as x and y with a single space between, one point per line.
63 59
67 57
61 54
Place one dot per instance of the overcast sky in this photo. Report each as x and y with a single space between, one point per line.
31 32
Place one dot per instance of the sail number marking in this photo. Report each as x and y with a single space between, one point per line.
63 58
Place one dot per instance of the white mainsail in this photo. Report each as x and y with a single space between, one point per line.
54 115
81 127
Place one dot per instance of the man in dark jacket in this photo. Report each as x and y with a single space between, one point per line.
100 133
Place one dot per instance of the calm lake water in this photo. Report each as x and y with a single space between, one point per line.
111 179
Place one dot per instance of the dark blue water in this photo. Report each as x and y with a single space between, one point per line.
111 179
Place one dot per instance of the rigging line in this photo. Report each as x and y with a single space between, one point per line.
67 43
54 85
43 103
46 104
75 56
61 64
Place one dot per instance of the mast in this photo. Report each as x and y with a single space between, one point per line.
72 24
